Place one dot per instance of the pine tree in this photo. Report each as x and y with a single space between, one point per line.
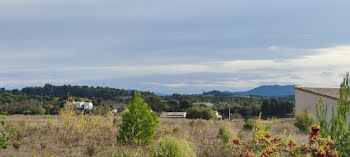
139 123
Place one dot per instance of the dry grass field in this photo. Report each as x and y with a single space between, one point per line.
96 135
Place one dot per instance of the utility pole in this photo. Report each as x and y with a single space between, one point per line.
229 113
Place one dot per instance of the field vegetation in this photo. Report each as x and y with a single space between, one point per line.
138 131
76 134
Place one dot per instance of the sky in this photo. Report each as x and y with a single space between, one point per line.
178 46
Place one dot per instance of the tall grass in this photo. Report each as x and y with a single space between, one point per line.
173 147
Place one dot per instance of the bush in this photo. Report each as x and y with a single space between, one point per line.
73 128
200 112
304 120
236 116
224 134
27 112
249 124
139 122
102 110
173 147
5 134
5 113
38 110
262 144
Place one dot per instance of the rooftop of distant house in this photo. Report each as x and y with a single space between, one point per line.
330 92
173 114
204 103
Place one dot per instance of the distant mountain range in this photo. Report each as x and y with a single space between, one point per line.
266 90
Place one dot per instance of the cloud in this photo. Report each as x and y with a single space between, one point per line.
195 77
182 46
272 48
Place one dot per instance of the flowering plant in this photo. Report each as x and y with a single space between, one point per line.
263 145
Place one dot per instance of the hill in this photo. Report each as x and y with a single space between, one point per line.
269 90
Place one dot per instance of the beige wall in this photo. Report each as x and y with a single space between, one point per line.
305 99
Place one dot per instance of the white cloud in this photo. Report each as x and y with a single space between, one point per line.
272 48
307 70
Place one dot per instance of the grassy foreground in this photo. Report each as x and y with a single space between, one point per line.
53 135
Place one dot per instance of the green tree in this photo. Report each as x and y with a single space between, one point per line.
185 104
173 105
200 112
156 103
139 122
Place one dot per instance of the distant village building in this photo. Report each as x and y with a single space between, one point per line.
203 103
308 97
114 111
173 115
218 116
83 105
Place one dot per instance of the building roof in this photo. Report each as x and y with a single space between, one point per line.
330 92
172 114
204 103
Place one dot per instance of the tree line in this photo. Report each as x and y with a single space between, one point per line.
49 99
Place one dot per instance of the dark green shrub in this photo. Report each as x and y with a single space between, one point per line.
173 147
200 112
249 124
139 122
304 120
102 110
5 113
39 109
236 116
27 112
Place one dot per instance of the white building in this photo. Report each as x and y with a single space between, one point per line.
83 105
173 115
218 115
203 103
114 111
308 97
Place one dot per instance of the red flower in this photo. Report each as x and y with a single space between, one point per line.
267 135
276 139
305 148
264 155
313 138
237 141
269 151
291 144
331 143
320 154
315 128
